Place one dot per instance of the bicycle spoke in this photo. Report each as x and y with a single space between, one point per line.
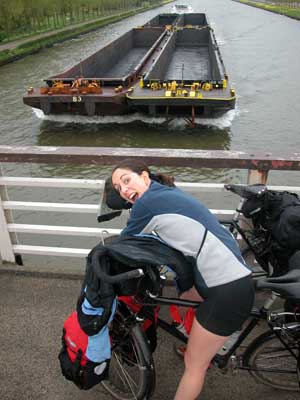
127 378
272 364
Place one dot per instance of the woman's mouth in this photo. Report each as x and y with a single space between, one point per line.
133 197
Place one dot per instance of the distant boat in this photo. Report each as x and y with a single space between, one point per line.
170 67
182 9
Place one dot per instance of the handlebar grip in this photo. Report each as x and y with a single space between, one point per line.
136 273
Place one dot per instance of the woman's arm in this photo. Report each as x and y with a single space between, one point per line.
139 218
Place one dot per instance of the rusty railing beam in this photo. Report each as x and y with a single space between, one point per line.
155 156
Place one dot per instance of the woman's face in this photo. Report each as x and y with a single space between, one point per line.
129 184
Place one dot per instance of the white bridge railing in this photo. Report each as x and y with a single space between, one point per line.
9 243
257 165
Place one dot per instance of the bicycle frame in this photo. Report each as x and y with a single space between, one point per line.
168 327
221 361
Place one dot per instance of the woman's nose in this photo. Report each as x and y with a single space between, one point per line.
123 189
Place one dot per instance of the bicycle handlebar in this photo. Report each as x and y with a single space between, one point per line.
247 191
135 273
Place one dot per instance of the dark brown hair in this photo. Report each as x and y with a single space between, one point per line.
138 167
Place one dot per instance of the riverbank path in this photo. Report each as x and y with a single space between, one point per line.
15 43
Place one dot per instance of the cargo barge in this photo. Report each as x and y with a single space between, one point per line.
169 67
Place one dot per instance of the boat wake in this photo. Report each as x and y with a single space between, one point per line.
221 122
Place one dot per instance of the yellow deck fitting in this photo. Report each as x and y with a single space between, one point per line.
207 86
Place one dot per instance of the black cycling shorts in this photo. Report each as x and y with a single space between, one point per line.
226 307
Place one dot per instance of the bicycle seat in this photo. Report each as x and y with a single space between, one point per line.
247 191
287 285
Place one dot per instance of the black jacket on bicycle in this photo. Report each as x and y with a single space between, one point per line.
122 255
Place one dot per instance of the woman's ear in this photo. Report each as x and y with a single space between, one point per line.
145 176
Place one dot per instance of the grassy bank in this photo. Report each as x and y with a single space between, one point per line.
34 44
276 8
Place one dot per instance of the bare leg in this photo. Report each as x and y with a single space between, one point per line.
192 295
201 348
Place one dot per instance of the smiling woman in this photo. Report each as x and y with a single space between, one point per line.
130 185
132 178
220 275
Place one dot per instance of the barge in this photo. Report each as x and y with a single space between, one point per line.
169 67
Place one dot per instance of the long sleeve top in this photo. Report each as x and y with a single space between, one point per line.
185 224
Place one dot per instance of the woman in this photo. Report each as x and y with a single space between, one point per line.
221 277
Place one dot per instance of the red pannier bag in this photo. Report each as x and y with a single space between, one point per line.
75 365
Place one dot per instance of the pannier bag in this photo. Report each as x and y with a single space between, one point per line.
84 359
285 218
86 350
278 213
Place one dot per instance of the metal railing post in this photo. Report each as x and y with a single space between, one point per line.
6 249
257 176
7 239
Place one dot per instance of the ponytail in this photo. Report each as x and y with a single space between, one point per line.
162 179
139 167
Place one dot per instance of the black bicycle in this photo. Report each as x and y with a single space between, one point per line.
272 357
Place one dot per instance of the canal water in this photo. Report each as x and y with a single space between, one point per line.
261 55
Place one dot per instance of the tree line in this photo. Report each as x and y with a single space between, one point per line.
25 17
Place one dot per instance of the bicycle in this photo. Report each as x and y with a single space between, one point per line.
272 358
132 371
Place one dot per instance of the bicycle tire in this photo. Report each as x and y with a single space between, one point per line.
270 363
298 371
131 371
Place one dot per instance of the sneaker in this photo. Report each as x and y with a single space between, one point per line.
180 350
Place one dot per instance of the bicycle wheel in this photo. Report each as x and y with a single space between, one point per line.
269 362
131 369
298 370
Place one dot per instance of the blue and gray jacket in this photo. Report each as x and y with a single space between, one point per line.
185 224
